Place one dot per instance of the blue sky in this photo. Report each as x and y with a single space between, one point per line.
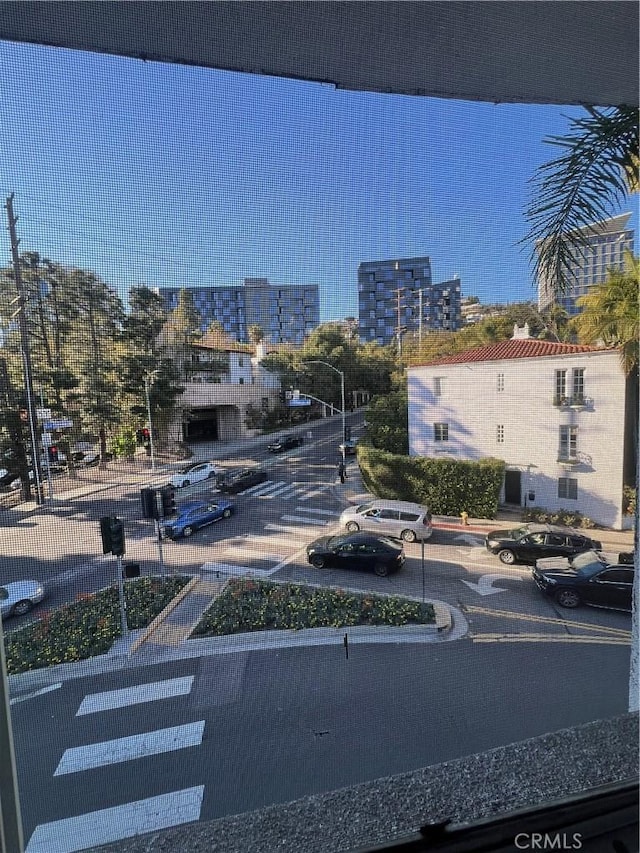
170 175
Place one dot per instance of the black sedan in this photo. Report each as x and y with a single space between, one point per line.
242 480
357 551
285 442
532 542
589 579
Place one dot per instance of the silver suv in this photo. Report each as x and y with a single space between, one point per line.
402 519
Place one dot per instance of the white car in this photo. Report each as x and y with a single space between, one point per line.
193 474
19 597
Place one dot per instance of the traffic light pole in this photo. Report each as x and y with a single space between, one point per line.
123 606
159 540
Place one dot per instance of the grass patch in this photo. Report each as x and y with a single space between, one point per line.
247 605
89 626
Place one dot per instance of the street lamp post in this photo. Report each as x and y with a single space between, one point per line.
146 393
344 411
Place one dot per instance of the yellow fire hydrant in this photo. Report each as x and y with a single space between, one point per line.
465 517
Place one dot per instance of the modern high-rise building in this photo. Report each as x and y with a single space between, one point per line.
285 313
607 242
397 296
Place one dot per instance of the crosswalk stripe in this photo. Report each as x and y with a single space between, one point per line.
242 552
319 522
314 493
113 824
228 568
121 749
317 511
282 527
278 493
256 543
110 699
260 487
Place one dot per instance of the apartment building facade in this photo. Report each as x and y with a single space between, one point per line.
559 415
285 313
607 242
398 296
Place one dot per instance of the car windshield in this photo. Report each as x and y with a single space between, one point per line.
519 532
587 564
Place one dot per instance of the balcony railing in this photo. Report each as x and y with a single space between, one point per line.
577 401
575 458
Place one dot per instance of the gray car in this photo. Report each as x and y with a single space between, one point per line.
402 519
19 597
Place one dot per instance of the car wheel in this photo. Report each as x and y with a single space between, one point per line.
381 570
22 607
317 562
227 513
408 536
506 556
187 531
352 526
567 598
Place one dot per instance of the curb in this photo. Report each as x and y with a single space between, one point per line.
159 619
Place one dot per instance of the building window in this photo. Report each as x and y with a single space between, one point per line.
577 384
568 488
561 386
240 361
501 382
438 386
568 442
441 432
241 380
500 434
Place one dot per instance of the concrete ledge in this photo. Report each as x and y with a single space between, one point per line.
159 619
444 619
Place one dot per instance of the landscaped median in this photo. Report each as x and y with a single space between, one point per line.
88 627
248 605
91 625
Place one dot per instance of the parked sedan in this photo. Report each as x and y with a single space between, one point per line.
589 579
242 480
285 442
194 473
532 542
349 447
196 514
19 597
357 551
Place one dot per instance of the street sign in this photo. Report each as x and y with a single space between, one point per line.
299 402
60 423
43 414
46 439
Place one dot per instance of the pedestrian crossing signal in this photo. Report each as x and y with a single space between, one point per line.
112 533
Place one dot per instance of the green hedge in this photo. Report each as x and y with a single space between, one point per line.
446 486
248 605
89 626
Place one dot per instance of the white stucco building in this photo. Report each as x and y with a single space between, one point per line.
559 415
222 385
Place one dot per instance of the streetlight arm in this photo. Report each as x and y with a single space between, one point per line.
341 375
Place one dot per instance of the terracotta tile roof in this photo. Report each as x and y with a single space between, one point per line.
519 348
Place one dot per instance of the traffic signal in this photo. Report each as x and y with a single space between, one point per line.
53 453
112 533
347 433
168 495
149 503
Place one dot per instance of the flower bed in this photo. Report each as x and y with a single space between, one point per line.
248 605
89 626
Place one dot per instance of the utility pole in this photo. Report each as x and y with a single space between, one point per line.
26 355
399 291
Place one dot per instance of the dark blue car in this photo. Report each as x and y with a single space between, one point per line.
195 514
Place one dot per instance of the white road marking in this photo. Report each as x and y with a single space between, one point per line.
35 693
258 542
243 552
314 492
283 492
129 748
150 692
282 527
484 584
230 568
260 487
319 522
113 824
316 511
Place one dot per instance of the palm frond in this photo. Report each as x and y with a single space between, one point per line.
581 188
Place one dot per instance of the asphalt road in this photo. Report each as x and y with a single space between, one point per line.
271 726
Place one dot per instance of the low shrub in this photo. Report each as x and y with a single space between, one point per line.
565 517
89 626
248 605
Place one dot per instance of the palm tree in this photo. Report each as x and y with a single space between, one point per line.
597 170
610 312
